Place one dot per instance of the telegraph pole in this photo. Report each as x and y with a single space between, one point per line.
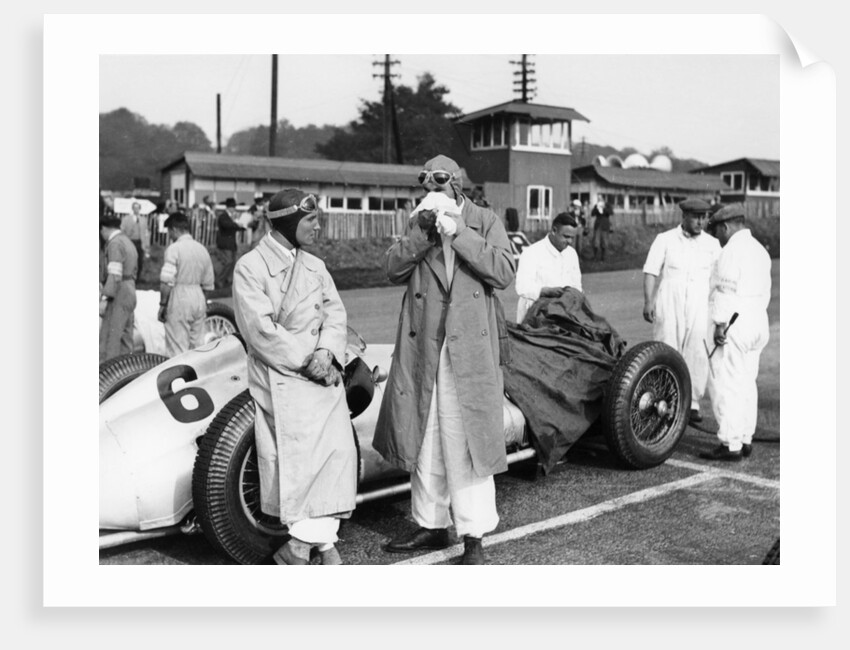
526 74
273 125
390 124
218 123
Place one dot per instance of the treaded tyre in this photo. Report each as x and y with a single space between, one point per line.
226 487
220 321
772 556
117 372
647 404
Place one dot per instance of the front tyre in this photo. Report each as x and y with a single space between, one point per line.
647 405
226 487
117 372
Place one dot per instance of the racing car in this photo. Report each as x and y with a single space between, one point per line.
177 450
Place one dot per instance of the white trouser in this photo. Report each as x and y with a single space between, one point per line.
732 384
318 530
444 475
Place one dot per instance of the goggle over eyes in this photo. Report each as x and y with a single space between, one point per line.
308 204
438 177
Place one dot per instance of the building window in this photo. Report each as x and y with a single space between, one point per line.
489 133
336 203
355 203
539 202
735 180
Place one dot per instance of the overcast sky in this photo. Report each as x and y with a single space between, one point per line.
709 107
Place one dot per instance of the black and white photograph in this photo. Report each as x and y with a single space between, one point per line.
606 366
439 307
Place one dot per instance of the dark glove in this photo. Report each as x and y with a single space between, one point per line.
163 311
426 219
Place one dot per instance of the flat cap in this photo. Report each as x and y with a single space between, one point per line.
694 205
727 212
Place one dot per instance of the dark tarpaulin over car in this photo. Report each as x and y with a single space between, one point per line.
562 356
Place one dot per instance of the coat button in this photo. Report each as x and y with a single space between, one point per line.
316 305
476 294
314 332
412 334
417 295
483 332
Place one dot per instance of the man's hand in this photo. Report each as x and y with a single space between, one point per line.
162 313
319 365
103 305
550 292
649 313
333 377
426 219
720 334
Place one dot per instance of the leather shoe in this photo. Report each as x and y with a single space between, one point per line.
421 539
721 452
695 416
746 450
293 552
331 556
473 552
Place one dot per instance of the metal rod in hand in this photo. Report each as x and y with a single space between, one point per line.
726 329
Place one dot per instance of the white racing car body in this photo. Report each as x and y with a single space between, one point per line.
176 438
150 430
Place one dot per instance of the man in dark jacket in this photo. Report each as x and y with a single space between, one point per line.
225 242
601 215
441 418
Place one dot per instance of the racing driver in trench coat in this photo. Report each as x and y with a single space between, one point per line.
294 324
441 418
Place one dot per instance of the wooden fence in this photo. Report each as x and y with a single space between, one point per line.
379 225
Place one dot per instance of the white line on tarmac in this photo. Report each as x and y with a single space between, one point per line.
577 516
738 476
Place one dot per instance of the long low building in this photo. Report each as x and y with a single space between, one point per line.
340 186
641 188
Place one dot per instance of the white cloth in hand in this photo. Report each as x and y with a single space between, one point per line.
439 202
446 225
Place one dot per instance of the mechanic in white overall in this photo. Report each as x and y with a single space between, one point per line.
187 272
294 325
676 278
740 285
548 265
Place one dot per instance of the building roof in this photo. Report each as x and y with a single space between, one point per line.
534 111
297 170
654 179
764 167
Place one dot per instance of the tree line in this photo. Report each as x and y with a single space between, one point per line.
133 151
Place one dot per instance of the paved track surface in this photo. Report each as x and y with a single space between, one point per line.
588 510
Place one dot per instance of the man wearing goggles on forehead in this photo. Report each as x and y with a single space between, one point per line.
294 325
441 416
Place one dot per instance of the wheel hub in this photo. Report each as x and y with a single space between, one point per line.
649 402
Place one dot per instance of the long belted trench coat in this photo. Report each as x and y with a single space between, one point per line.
285 310
465 317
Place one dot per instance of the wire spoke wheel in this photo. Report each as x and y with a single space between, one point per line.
219 322
646 405
654 410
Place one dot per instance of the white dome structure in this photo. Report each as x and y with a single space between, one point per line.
635 160
600 160
662 163
615 161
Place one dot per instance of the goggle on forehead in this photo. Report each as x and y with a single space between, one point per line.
439 177
308 204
